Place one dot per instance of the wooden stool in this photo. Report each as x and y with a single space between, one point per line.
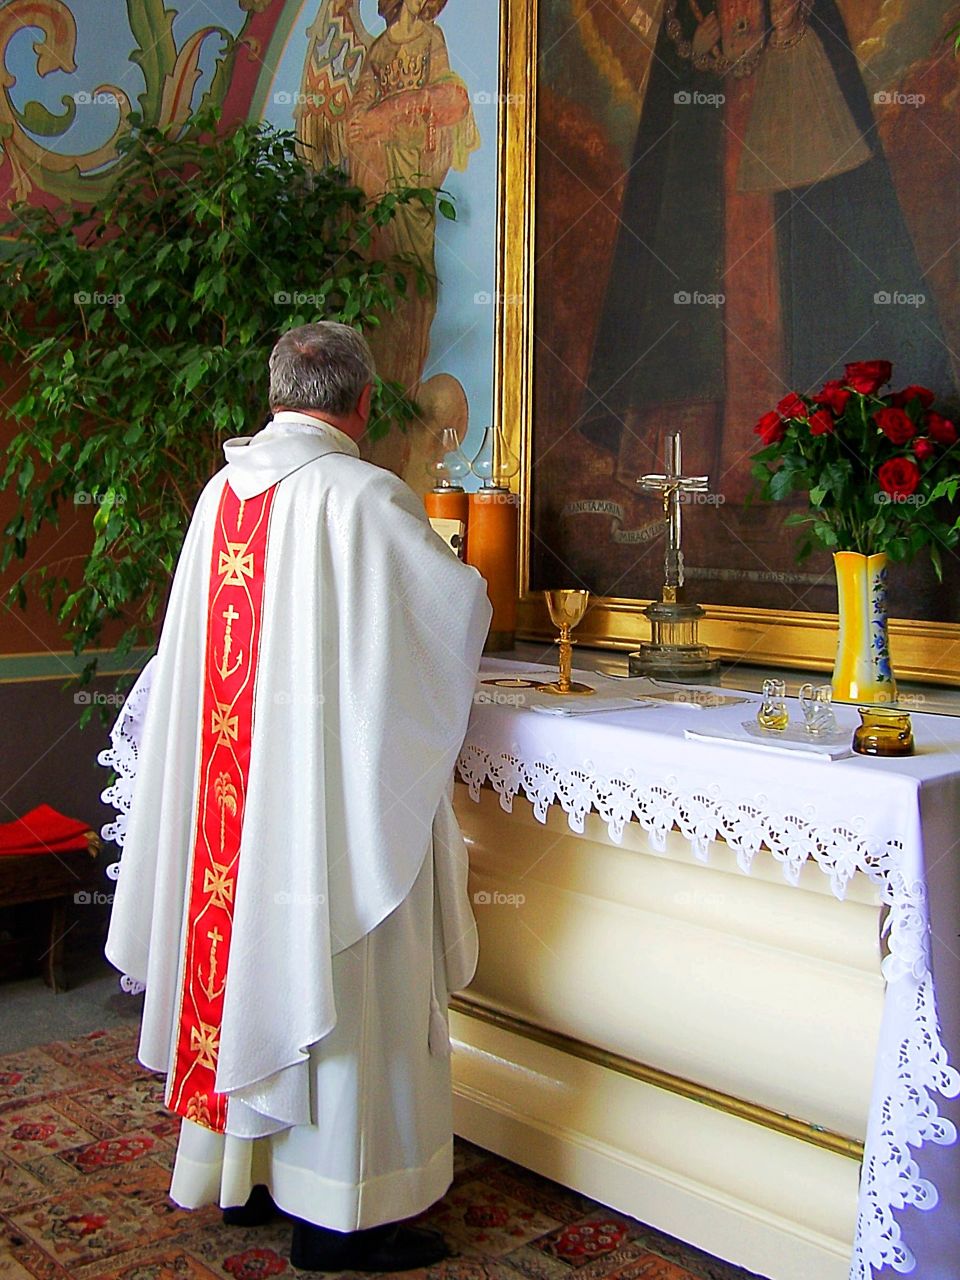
56 879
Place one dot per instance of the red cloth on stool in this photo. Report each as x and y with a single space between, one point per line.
43 830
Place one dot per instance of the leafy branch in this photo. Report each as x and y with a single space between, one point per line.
139 329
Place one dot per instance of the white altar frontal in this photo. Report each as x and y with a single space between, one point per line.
708 985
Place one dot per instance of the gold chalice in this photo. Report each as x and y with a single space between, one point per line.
566 611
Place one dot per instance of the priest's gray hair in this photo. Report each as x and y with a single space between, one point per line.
322 366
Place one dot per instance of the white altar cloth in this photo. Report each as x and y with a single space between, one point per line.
893 820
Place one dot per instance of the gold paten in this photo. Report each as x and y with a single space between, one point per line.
926 651
752 1111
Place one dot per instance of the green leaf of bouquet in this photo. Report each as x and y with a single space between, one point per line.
781 483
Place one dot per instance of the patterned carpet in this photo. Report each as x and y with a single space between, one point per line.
85 1153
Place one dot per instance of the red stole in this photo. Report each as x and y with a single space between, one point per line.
234 620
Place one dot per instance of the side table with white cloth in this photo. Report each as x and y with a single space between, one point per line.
718 981
711 969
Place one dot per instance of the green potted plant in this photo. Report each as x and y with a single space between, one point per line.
138 330
879 472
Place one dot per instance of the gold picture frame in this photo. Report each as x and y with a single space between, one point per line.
922 651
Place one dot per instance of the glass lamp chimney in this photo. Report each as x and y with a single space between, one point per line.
448 465
495 463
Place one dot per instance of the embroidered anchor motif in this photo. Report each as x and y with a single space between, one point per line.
236 562
226 671
211 991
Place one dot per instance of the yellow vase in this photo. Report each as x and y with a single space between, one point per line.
862 671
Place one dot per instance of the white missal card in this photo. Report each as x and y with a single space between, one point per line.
559 705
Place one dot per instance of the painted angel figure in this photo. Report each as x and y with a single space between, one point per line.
392 112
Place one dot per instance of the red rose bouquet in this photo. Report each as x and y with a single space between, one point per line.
879 470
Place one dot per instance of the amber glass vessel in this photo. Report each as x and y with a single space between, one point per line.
883 732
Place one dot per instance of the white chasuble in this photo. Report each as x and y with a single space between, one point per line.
293 886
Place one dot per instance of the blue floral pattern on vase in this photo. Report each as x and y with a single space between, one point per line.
883 670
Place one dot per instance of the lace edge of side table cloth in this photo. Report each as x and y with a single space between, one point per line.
121 756
912 1066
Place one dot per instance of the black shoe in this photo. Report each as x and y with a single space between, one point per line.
258 1210
388 1248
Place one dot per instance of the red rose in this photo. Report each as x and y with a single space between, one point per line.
942 429
924 448
770 428
834 396
866 376
821 422
899 477
902 398
895 425
791 406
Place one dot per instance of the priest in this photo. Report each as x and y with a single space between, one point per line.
293 886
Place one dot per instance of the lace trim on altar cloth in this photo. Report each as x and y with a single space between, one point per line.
909 1117
121 756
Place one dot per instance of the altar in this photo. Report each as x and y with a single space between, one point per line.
705 1049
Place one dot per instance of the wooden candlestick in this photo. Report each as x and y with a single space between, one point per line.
492 535
447 504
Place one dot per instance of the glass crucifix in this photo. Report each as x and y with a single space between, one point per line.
671 485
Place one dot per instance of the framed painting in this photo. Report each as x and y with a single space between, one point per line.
704 207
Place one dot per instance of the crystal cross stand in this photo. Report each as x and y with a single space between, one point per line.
673 653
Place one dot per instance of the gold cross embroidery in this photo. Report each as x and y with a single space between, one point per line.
219 883
237 563
224 724
205 1040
